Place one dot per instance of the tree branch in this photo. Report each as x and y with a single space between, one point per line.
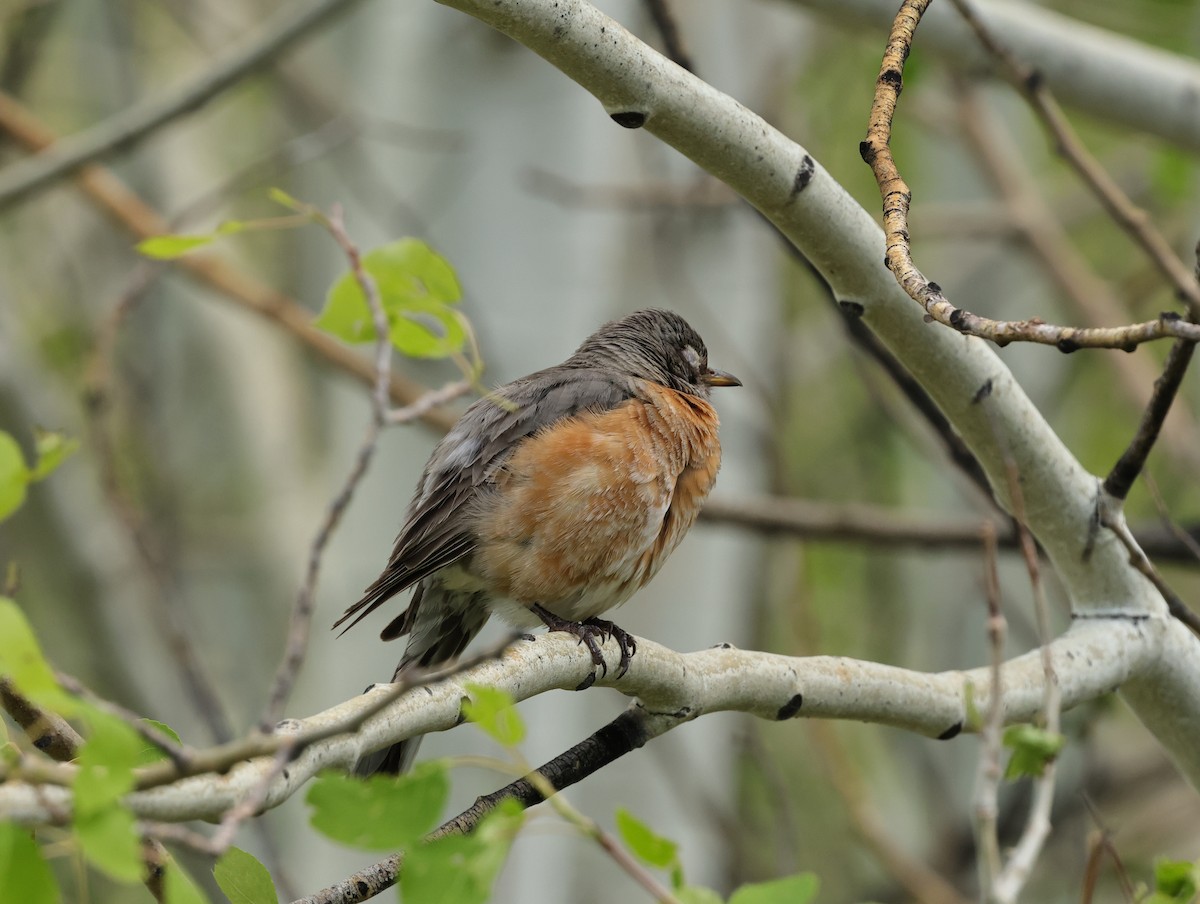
1109 75
638 88
679 687
290 24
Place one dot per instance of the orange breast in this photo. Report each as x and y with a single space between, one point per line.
588 510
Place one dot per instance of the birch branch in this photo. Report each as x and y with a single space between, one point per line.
1099 655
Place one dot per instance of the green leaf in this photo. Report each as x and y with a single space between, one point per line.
164 728
179 888
646 844
1177 880
494 712
151 753
21 659
279 196
243 879
53 448
697 894
14 475
168 247
110 842
24 874
458 869
106 763
798 889
1033 749
105 828
416 288
380 812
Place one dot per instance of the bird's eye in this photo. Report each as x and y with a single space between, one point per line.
692 357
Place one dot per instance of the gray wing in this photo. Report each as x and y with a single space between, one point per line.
438 531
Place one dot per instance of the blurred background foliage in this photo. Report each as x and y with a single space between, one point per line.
213 441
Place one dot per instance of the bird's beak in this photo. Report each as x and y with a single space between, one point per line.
720 378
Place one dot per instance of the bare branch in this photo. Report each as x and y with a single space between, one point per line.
676 686
123 130
897 198
1119 206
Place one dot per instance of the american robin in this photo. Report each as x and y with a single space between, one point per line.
555 498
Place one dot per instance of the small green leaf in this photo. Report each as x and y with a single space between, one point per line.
106 763
168 247
697 894
1177 880
24 874
151 753
416 288
178 887
380 812
279 196
14 475
22 661
798 889
494 712
110 842
164 728
1033 749
458 869
243 879
53 447
649 846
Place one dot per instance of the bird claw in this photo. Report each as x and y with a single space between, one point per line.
587 632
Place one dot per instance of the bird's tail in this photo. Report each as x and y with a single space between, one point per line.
440 624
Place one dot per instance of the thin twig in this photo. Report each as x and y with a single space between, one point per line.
300 623
1110 517
251 804
1048 242
1119 206
1120 479
897 199
629 731
987 782
1024 855
221 758
290 24
178 754
129 211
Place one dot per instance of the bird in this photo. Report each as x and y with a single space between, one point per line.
553 499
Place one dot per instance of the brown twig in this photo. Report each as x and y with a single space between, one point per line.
897 198
1049 244
300 623
1118 205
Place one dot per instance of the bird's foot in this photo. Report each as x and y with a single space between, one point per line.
592 632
